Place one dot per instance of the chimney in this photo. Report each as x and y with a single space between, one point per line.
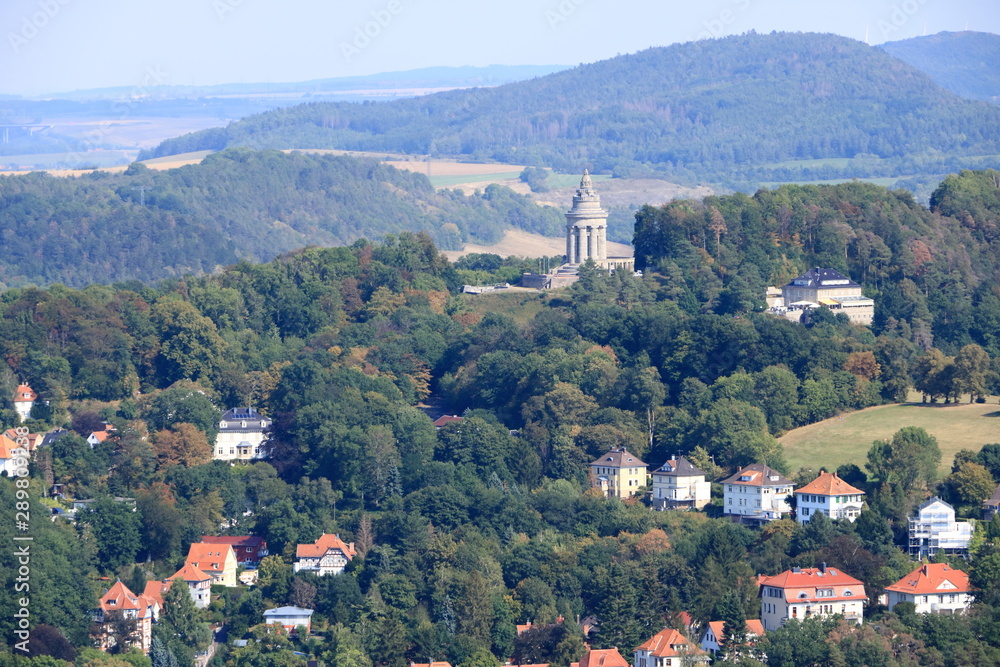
822 568
925 568
796 570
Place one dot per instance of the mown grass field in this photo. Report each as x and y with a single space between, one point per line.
847 438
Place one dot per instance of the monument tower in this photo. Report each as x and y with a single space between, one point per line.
586 225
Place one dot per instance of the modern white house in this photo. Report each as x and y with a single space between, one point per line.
830 495
934 529
680 485
934 588
242 431
290 617
756 494
804 592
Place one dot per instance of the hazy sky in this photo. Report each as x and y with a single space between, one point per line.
60 45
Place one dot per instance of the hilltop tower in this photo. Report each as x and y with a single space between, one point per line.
586 225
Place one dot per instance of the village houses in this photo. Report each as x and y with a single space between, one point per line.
217 560
327 555
713 638
678 484
668 648
119 603
619 473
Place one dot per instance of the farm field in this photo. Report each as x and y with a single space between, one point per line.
847 438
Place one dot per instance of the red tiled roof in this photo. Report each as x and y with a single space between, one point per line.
22 389
619 458
209 557
813 578
100 435
190 573
235 540
759 475
754 629
928 579
325 543
446 419
829 484
119 597
663 643
7 447
439 663
155 589
606 657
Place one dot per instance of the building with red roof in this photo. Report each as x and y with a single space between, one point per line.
199 584
713 638
605 657
24 399
327 555
249 549
216 560
668 648
934 588
446 419
119 602
830 495
756 494
803 592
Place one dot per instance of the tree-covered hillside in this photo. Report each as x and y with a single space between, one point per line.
963 62
235 205
732 108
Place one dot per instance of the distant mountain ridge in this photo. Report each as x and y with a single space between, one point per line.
966 63
737 108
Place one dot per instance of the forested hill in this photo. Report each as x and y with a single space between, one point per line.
238 204
967 63
726 108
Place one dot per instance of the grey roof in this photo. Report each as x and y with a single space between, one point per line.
235 417
931 501
679 467
994 500
619 458
760 475
817 277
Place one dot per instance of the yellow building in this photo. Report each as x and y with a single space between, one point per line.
619 473
215 560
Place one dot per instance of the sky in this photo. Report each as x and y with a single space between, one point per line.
62 45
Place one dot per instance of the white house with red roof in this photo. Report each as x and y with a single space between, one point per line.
13 457
668 648
24 399
934 588
199 584
119 600
830 495
216 560
327 555
757 493
804 592
713 637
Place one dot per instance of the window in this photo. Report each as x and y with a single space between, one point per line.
805 511
824 592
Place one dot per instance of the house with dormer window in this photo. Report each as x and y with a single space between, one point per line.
935 588
756 494
24 400
242 435
121 603
668 648
216 560
829 495
804 592
678 484
619 473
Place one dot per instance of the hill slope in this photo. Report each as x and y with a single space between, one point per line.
727 108
238 204
967 63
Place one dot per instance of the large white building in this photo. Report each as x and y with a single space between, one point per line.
933 589
756 494
934 529
830 495
242 431
804 592
680 485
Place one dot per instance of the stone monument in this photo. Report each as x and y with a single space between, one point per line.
586 225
